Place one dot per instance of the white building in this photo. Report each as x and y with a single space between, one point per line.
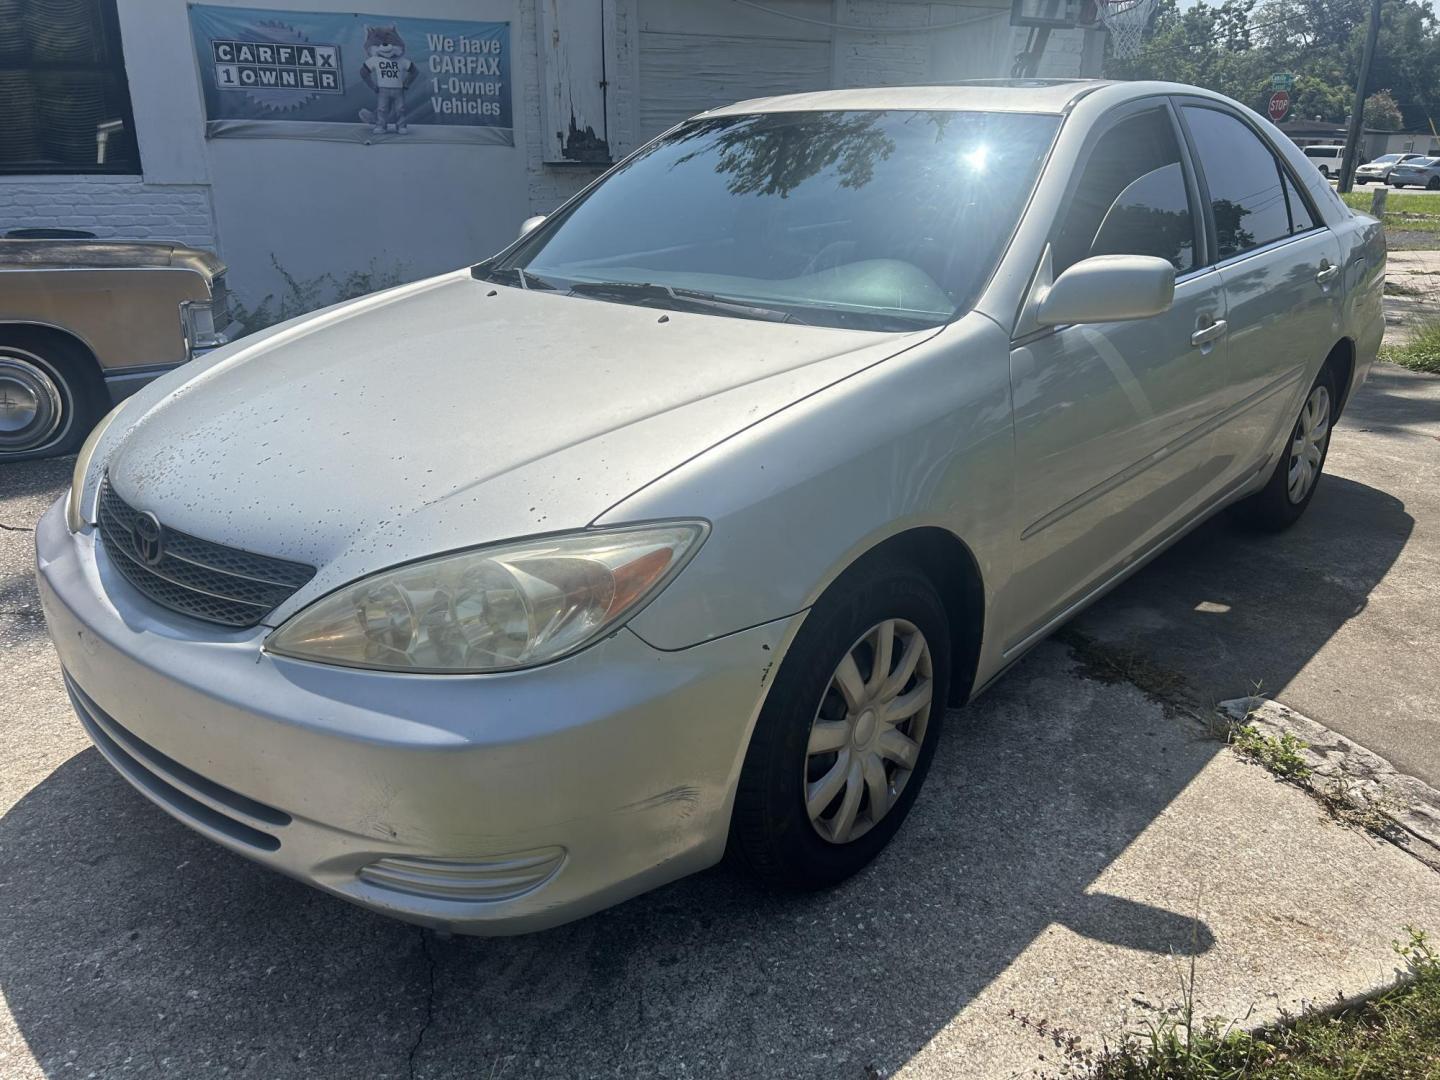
586 81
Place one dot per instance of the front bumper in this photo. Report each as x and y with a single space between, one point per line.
549 793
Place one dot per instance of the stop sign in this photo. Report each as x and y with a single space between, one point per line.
1279 105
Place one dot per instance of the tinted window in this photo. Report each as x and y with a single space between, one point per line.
874 220
1300 219
1246 194
1314 151
63 92
1130 198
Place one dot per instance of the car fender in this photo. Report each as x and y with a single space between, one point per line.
921 440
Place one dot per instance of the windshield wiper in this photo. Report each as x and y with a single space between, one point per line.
510 275
644 292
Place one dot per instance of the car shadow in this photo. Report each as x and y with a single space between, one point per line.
126 937
126 941
1227 612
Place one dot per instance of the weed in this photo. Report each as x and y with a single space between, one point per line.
303 295
1421 352
1392 1036
1280 755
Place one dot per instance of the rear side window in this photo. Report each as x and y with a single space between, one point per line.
1131 198
1247 193
1300 217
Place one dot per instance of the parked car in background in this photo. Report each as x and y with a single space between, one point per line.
1378 171
673 528
86 322
1422 172
1328 159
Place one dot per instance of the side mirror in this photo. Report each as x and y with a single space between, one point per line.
1109 288
530 223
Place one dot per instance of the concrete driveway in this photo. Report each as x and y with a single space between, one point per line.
1075 845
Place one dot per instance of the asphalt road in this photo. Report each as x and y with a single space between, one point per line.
1057 858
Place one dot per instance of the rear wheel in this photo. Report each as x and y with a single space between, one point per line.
847 733
1325 171
1433 184
49 395
1279 504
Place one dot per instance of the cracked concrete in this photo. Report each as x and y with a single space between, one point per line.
1359 777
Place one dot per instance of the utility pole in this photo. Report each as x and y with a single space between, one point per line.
1357 115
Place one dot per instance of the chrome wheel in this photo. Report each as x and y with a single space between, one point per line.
866 736
1307 445
32 406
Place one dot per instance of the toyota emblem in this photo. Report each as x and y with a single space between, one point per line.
149 537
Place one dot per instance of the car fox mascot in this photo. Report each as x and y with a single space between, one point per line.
389 72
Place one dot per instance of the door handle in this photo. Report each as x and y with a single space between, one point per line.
1326 273
1207 334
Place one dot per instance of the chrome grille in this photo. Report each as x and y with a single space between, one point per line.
197 577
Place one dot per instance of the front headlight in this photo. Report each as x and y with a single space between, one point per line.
74 510
491 609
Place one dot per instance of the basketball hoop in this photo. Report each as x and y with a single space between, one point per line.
1126 20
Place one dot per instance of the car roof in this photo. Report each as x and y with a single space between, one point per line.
980 95
1055 96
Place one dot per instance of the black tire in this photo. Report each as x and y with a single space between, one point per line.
54 382
1325 171
771 833
1434 184
1272 508
1395 185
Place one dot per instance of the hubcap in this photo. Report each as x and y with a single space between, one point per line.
866 736
31 408
1307 444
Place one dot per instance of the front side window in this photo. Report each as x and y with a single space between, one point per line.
868 219
63 93
1247 194
1130 198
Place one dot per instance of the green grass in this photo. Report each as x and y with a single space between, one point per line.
1394 1036
1403 213
1420 353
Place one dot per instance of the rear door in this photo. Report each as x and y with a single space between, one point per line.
1283 282
1113 421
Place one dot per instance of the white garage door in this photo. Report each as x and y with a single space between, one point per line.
695 55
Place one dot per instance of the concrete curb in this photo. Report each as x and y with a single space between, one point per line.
1359 776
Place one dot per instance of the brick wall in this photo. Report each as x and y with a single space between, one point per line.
110 206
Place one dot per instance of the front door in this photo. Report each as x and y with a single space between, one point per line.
1113 421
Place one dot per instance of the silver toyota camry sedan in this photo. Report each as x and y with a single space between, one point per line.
671 530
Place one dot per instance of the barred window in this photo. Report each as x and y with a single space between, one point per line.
63 93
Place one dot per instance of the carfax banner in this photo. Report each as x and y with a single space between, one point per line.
354 78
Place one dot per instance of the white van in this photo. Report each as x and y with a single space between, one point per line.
1327 159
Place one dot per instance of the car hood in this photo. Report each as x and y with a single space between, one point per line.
451 413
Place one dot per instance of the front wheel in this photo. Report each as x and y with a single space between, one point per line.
1433 184
1325 171
846 735
1279 504
48 395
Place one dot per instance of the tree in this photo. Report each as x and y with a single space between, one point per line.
1382 112
1236 46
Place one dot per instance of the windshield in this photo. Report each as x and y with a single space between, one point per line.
1385 158
874 220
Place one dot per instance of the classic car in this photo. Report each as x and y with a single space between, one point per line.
85 323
